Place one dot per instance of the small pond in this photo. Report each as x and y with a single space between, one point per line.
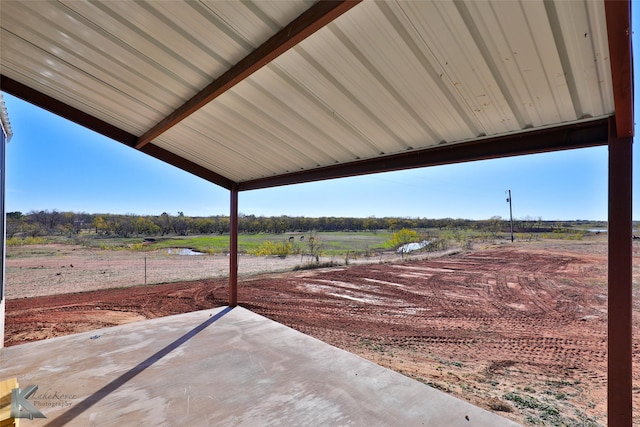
183 251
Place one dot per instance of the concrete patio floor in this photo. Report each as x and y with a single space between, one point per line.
220 367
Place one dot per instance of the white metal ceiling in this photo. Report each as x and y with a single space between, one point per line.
384 78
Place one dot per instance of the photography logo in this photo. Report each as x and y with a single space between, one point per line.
21 407
15 403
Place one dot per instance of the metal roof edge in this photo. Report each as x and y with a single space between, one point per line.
583 134
39 99
4 119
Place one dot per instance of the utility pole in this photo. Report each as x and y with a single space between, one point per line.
510 214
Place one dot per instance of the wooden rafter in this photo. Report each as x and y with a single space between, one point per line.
310 21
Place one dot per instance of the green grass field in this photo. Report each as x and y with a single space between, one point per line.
337 243
332 243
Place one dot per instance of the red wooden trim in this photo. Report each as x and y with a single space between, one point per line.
619 385
618 14
310 21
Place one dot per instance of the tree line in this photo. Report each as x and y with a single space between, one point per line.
46 223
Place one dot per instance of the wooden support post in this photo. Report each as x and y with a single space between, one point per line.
233 248
619 387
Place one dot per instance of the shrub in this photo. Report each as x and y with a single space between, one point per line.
522 401
281 249
499 406
16 241
137 247
403 237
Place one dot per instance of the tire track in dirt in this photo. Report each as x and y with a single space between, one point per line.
477 325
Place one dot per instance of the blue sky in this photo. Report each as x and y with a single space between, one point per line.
55 164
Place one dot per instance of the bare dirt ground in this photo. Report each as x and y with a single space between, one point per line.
519 329
38 270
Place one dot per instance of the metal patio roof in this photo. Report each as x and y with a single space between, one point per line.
258 94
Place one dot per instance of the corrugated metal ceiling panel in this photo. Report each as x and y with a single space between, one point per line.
385 78
583 43
520 36
392 76
131 63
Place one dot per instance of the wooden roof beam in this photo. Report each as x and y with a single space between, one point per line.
310 21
